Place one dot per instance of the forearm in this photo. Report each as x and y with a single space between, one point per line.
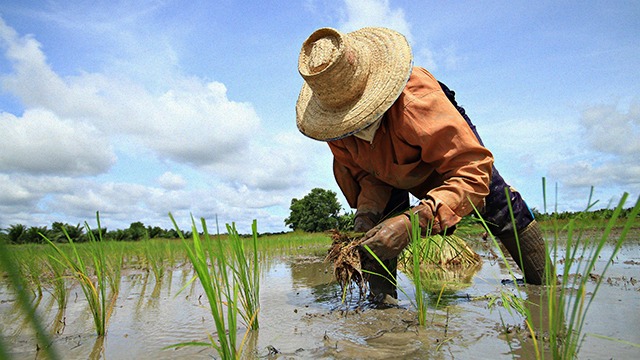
445 205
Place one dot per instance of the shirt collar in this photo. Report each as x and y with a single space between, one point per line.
369 132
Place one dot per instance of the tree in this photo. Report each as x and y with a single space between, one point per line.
317 211
58 230
346 221
137 231
17 234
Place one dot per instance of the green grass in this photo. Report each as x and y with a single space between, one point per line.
246 271
417 248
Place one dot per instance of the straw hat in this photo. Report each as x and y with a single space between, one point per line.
350 80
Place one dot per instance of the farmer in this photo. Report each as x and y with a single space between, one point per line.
394 130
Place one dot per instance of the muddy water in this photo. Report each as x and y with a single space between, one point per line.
302 317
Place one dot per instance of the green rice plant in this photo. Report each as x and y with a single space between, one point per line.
247 274
428 261
569 303
416 249
512 302
387 275
447 263
114 265
93 287
31 269
222 291
16 282
59 291
58 282
154 252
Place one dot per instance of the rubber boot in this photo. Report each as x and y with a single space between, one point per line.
533 251
382 292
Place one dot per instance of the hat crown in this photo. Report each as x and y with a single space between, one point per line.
349 79
321 55
333 68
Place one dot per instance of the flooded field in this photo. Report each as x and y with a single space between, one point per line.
302 317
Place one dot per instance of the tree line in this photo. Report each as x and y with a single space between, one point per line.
317 211
22 234
584 215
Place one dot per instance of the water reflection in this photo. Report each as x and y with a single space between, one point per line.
302 317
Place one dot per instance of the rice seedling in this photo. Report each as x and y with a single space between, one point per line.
567 302
420 295
246 271
10 267
114 264
58 282
31 269
154 252
437 264
222 292
95 291
427 261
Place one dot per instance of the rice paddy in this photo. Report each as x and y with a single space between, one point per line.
234 296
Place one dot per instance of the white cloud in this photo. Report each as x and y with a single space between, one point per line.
364 13
171 181
277 163
613 131
41 143
74 125
605 153
192 122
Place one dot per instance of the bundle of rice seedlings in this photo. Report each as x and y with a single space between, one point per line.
447 250
447 263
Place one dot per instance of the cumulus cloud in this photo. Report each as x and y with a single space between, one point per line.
172 181
610 146
192 122
276 164
613 131
363 13
56 158
41 143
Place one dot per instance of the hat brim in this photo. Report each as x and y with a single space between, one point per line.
390 67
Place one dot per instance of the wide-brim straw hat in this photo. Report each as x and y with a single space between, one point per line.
350 79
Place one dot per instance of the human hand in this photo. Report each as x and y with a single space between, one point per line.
389 238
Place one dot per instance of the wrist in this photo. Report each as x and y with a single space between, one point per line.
427 220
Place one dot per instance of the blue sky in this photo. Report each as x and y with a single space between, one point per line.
138 109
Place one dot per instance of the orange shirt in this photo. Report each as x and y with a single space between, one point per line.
424 146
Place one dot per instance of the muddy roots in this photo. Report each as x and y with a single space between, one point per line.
347 261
